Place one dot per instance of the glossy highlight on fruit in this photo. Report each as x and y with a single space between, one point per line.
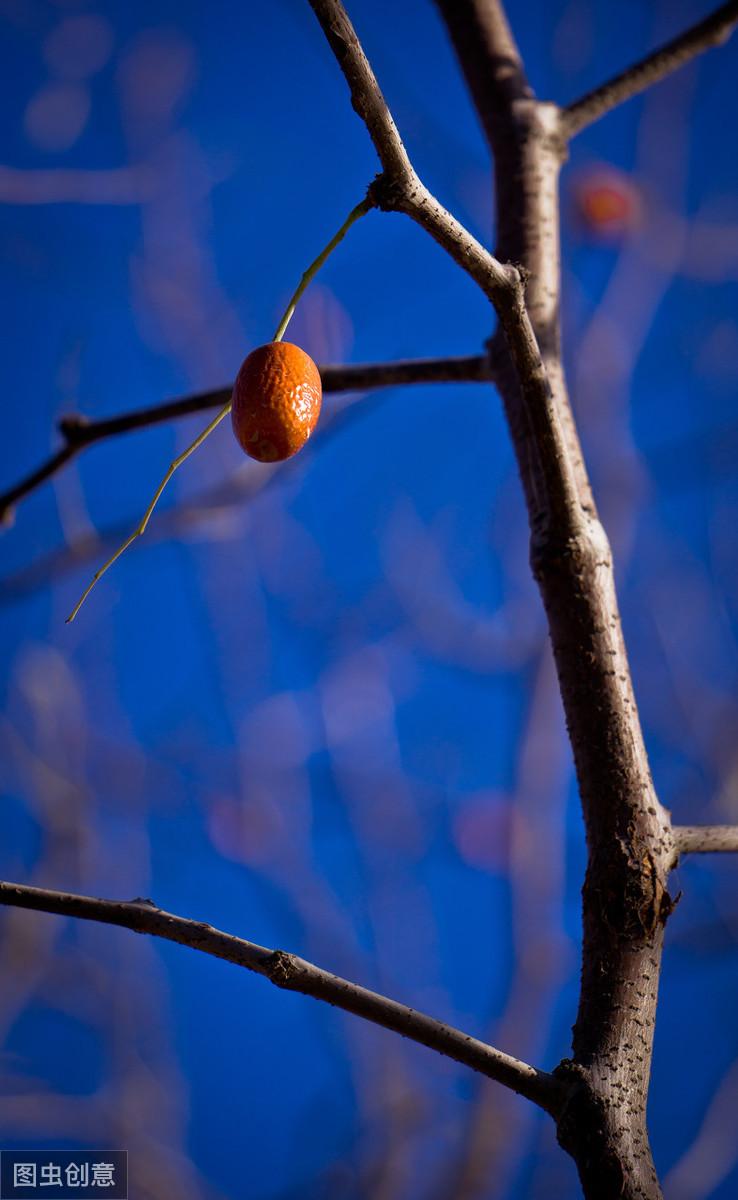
276 401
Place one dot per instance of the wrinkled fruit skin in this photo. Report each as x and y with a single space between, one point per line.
276 401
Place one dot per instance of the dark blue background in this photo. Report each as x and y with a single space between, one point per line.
317 709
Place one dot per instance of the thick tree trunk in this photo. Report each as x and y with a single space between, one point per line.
625 902
608 1140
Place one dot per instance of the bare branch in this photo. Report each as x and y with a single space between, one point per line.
399 188
184 518
366 95
295 974
706 839
713 31
555 497
79 432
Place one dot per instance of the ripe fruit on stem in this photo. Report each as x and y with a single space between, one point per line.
276 401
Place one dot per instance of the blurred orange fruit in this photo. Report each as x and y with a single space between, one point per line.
608 201
276 401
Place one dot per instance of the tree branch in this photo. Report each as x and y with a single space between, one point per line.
399 189
79 432
554 498
706 839
294 974
629 846
525 138
185 516
713 31
366 96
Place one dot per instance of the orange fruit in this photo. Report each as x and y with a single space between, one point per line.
609 202
276 401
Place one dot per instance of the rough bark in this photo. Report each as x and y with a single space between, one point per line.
625 899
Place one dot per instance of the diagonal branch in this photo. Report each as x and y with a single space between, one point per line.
366 95
79 432
713 31
399 188
554 499
706 839
295 974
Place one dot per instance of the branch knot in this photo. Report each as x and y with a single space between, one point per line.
387 192
73 426
284 970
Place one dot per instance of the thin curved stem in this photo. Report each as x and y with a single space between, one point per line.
79 432
359 211
141 528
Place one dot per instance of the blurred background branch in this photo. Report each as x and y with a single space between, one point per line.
712 31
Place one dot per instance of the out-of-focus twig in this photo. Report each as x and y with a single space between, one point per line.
710 1157
712 31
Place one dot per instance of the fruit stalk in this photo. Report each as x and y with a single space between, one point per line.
359 211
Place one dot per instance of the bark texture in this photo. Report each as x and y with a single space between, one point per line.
625 898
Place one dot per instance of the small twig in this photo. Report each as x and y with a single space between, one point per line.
295 974
79 433
358 211
140 529
706 839
713 31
